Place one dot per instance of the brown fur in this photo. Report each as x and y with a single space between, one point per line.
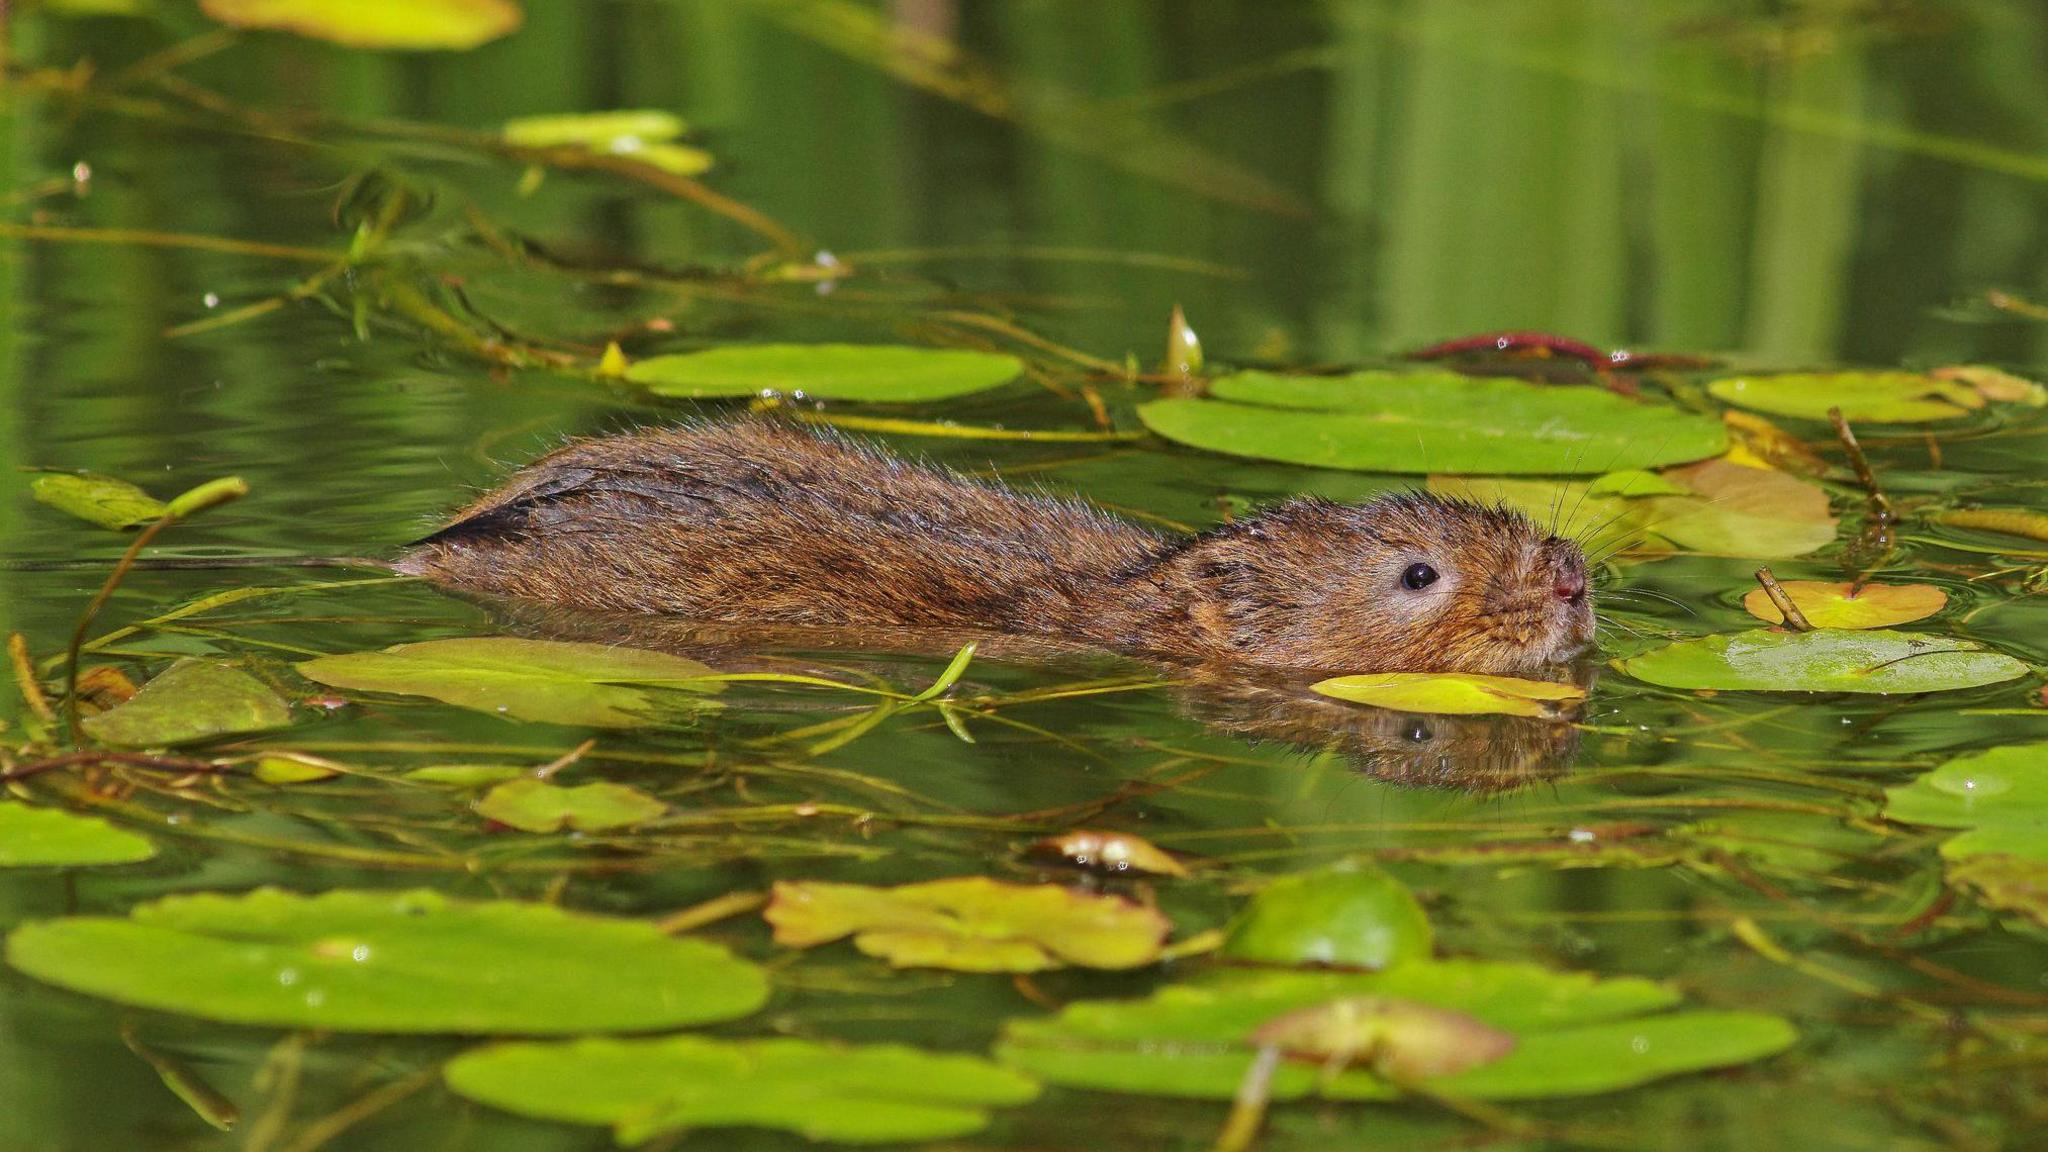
759 522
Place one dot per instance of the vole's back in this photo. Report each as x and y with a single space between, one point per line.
756 521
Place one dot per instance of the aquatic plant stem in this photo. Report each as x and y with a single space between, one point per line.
71 729
1782 601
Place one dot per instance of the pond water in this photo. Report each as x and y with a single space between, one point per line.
322 269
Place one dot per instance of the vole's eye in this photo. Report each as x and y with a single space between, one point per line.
1420 733
1418 577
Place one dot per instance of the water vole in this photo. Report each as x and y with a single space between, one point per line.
762 522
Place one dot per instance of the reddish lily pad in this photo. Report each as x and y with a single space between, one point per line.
971 924
1834 605
1400 1040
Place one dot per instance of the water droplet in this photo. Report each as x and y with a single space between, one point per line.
288 977
360 953
211 299
315 998
1582 836
1639 1045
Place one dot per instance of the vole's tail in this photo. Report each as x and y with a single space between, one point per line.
198 563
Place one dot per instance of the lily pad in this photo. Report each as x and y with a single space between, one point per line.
537 806
873 1094
1863 397
101 500
414 962
466 775
1110 853
410 25
1830 605
294 768
48 837
1998 796
2008 883
971 924
191 701
557 682
1457 694
883 373
1714 507
1420 422
1823 660
599 130
1574 1035
1353 917
1397 1039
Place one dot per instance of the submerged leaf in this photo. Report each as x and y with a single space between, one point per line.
1453 693
537 806
642 1088
101 500
294 768
1823 660
1351 917
192 700
1827 605
872 372
410 25
390 962
1998 796
971 924
1863 397
1399 1040
1419 422
1574 1035
47 837
547 680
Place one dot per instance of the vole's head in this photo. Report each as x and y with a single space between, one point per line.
1405 583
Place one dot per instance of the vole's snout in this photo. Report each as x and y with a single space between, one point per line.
1567 570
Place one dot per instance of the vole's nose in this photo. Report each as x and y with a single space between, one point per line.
1570 586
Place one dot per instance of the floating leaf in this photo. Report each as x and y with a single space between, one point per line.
1397 1039
2006 882
1346 916
201 497
49 837
294 768
1828 605
1863 397
1453 693
872 372
1823 660
1999 796
537 806
971 924
100 500
390 962
192 700
599 130
1994 384
872 1094
1725 509
2009 521
1108 852
466 775
1417 422
409 25
547 680
1574 1035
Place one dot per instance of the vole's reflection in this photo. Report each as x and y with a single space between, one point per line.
1480 754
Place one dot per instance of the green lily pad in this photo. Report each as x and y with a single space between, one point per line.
466 775
191 701
414 962
537 806
409 25
97 499
1420 422
1998 796
49 837
971 924
1350 917
882 373
594 685
1574 1035
642 1088
1453 693
1823 660
284 768
1863 397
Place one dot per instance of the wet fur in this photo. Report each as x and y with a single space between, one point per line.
761 522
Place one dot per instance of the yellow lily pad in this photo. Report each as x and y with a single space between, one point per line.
1457 694
1829 605
405 25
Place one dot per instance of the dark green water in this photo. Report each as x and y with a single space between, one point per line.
1786 185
